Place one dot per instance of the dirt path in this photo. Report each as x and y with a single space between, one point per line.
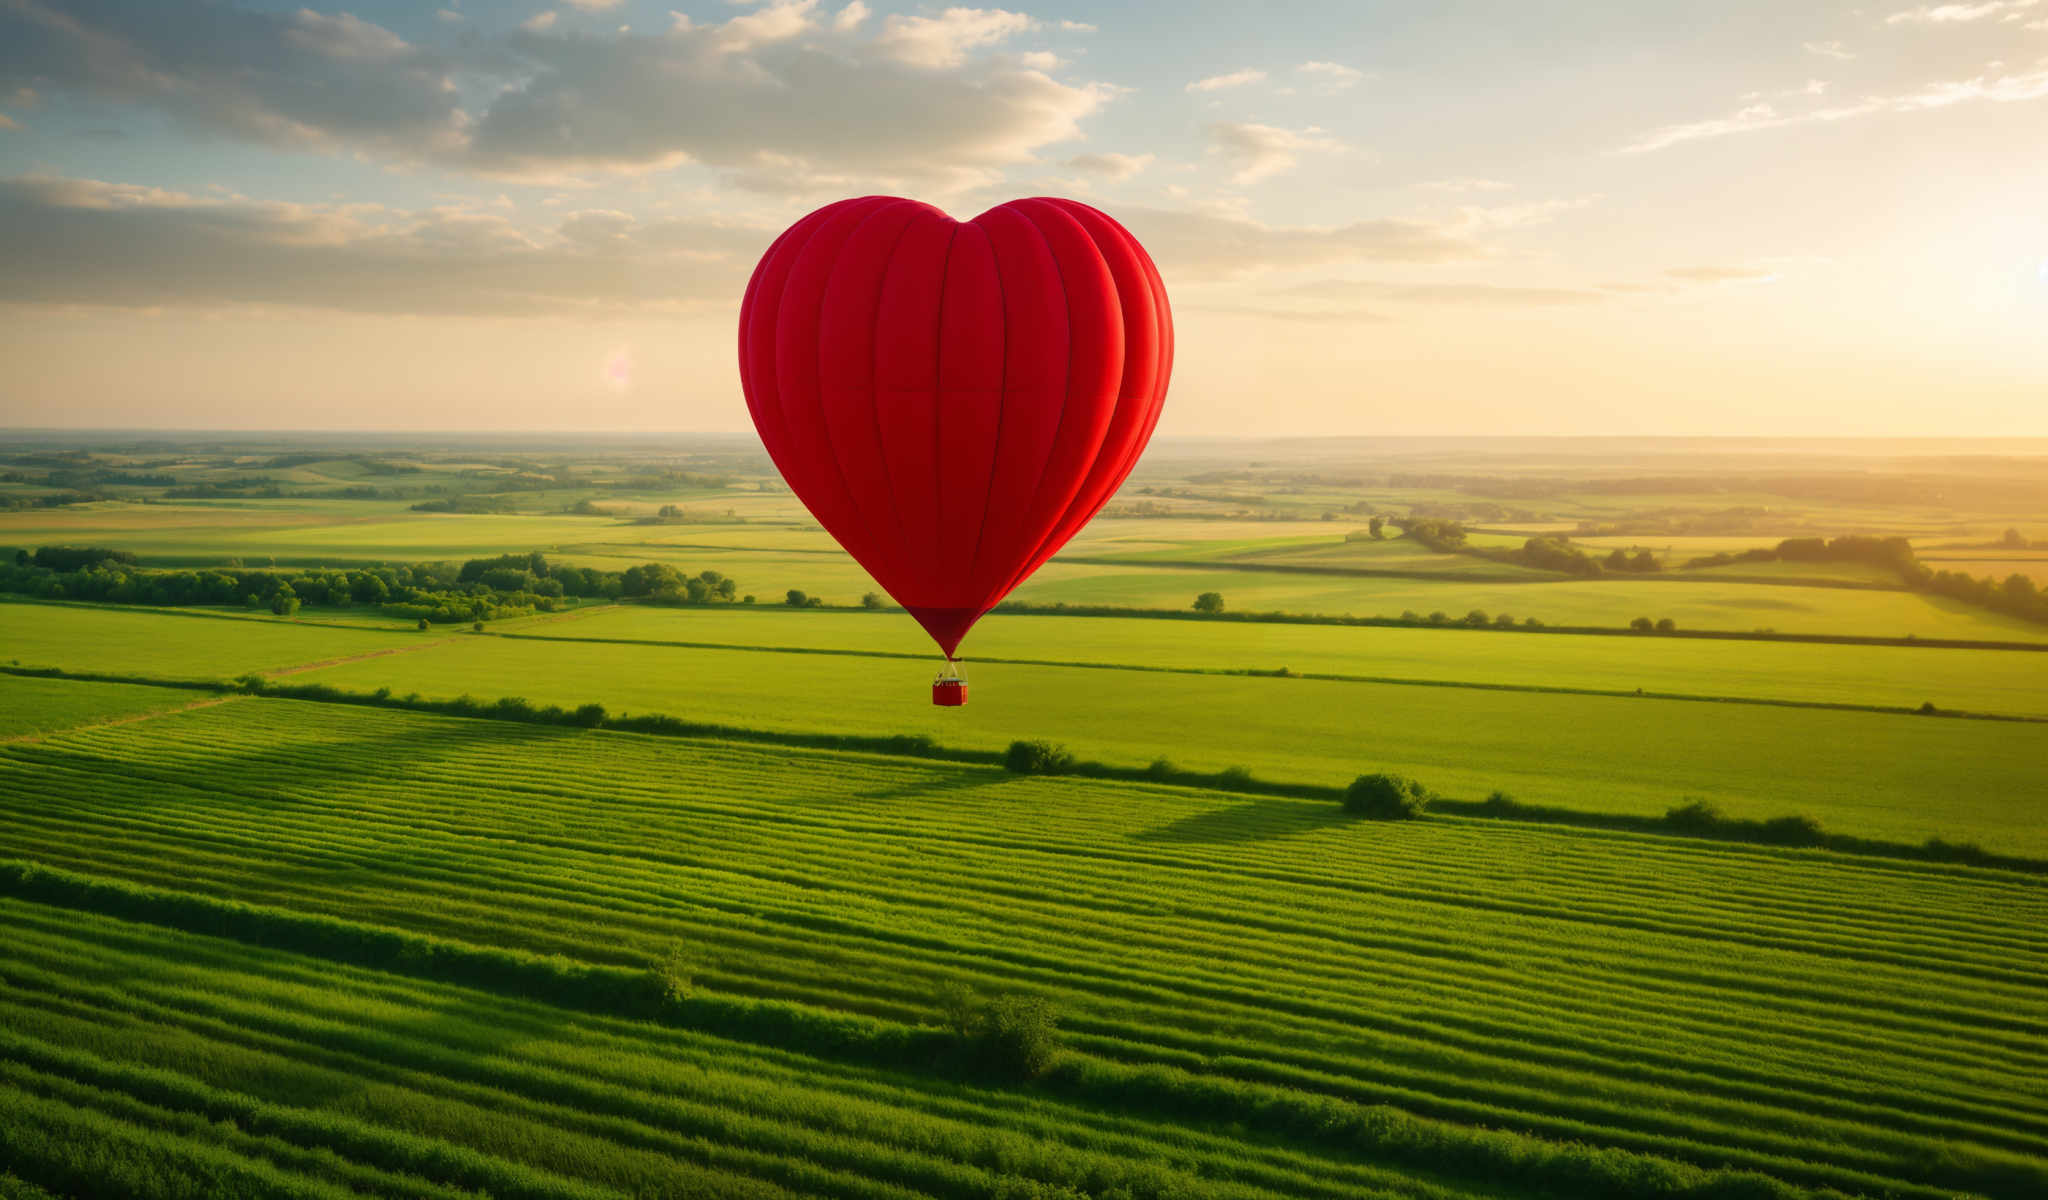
129 719
349 658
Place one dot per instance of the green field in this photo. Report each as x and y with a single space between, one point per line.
175 644
1992 681
30 706
1546 1011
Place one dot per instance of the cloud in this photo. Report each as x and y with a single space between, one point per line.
540 21
86 242
1216 83
1194 247
1722 274
1996 88
778 91
1261 151
595 5
1117 166
1330 77
1077 27
1466 185
850 17
301 80
1833 50
1961 14
943 41
1485 295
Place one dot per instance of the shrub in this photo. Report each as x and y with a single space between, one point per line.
1234 777
1037 758
476 627
590 716
1642 625
1013 1036
672 974
424 624
1209 602
1504 621
1666 625
871 600
1927 708
1793 831
1694 816
796 598
1160 768
1384 797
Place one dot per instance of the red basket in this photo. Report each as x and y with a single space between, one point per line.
949 693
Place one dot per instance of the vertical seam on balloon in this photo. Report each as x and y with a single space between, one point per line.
939 398
1122 468
818 369
1066 388
875 391
1002 402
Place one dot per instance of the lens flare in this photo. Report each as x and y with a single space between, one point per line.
618 370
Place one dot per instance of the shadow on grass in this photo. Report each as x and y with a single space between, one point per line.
1251 821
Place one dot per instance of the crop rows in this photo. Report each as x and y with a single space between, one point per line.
1858 1025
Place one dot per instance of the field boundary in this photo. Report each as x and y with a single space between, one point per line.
1758 833
1280 568
1321 676
123 719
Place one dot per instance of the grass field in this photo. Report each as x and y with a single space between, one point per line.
29 706
1975 780
1547 1011
1993 681
168 643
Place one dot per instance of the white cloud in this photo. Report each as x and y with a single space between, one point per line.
1077 27
1216 83
1261 151
595 5
1961 14
540 21
1488 295
1198 246
772 93
850 17
1039 60
943 41
1833 50
1116 166
1330 77
82 241
1466 185
1996 88
1723 274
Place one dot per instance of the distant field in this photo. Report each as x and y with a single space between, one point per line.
2034 567
1901 776
31 706
178 645
1543 1011
1998 681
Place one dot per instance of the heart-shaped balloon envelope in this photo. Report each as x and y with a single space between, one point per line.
954 400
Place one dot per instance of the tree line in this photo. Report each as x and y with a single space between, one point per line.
481 589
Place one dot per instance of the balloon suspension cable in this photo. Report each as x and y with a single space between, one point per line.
952 669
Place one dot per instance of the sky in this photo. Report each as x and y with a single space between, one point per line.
1451 217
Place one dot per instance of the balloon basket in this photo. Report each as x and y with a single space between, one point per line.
949 689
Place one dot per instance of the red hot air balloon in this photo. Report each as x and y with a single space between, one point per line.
954 400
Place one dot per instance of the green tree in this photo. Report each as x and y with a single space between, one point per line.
284 601
1384 797
1667 625
1209 602
1642 624
1377 527
796 598
871 600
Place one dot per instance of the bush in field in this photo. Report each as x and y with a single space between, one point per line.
1037 758
1666 625
1013 1036
1234 777
1642 625
1792 831
1384 797
1694 816
1209 602
871 600
1160 768
424 623
796 598
590 716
